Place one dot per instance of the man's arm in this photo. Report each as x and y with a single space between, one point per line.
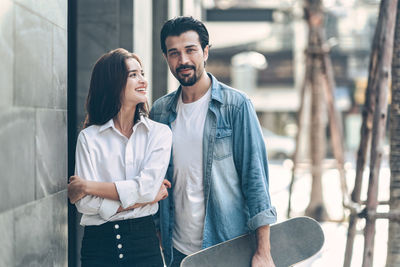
262 257
252 166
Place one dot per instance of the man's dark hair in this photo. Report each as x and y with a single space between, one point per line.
107 84
179 25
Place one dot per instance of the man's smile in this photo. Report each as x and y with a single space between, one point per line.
185 69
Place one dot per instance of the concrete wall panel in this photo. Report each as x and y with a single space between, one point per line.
51 152
41 232
59 68
55 11
6 53
17 157
7 239
33 132
33 60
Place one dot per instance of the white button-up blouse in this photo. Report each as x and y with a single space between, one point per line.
136 165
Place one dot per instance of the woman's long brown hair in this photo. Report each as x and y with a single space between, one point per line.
108 81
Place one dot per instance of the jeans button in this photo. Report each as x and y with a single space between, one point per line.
118 236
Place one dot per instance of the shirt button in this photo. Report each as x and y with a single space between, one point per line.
118 236
119 246
116 226
121 256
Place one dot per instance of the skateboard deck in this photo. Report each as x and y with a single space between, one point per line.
292 241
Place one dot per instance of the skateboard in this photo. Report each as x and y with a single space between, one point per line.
292 241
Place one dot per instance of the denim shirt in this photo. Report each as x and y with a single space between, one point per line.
235 168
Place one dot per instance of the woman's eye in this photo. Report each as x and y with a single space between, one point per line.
132 75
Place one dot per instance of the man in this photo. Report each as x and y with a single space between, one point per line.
218 167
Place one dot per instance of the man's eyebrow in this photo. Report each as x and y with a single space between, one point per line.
172 49
188 46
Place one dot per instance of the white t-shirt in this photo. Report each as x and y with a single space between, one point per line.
187 150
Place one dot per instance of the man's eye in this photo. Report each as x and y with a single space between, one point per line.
173 53
190 50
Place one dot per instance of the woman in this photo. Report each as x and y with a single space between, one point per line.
121 160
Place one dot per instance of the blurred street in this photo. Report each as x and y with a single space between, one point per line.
332 253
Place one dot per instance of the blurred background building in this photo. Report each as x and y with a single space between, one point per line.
281 37
49 46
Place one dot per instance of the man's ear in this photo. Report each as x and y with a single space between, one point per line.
165 57
205 52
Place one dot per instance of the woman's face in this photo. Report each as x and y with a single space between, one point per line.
136 85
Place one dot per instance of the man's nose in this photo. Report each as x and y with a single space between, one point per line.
184 58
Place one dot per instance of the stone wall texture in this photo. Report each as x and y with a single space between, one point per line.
33 133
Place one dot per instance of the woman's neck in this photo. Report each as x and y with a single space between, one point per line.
124 120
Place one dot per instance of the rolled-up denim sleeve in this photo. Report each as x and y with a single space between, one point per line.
262 218
251 162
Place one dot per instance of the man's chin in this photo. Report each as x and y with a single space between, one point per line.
187 82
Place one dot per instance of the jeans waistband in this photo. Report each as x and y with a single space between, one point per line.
122 226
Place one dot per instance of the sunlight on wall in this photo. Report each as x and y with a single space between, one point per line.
4 7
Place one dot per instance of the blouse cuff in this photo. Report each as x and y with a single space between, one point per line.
108 208
126 191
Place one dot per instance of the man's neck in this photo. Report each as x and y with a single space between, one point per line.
192 93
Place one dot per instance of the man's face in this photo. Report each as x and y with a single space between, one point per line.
185 57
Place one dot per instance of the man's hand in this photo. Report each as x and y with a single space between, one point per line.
262 257
262 260
163 192
76 188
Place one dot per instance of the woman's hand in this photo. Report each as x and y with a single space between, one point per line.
76 188
162 194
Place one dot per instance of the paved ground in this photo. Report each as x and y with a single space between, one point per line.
332 253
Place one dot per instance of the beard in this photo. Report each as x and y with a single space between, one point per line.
186 79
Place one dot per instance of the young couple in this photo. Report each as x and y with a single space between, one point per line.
204 139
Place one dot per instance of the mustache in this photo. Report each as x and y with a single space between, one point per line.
181 67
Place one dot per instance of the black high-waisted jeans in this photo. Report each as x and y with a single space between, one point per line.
132 243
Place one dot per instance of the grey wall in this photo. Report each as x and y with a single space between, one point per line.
102 25
160 67
33 132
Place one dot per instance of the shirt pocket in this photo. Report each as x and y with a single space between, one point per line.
223 143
